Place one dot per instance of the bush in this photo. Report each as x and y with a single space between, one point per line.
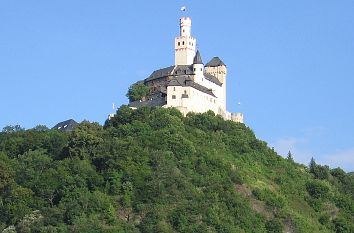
317 189
270 198
274 226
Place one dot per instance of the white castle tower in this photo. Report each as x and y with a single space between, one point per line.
185 44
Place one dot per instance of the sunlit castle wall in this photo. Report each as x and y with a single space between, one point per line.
188 99
220 72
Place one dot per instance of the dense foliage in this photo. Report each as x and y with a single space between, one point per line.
137 91
153 170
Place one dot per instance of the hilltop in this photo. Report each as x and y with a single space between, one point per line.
154 170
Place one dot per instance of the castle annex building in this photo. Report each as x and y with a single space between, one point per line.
189 85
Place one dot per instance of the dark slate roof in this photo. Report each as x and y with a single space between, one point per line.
186 81
213 79
171 70
215 61
179 81
197 58
183 70
153 101
67 125
164 72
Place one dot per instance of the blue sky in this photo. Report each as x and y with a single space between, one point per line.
290 63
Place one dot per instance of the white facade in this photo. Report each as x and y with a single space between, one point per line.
189 99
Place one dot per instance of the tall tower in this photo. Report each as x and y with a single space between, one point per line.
218 69
185 44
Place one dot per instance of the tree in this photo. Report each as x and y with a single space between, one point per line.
312 165
320 172
85 139
290 157
137 91
41 128
317 189
12 129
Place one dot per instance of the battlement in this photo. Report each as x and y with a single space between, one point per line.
185 26
234 116
237 117
185 20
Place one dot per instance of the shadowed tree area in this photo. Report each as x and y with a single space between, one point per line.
153 170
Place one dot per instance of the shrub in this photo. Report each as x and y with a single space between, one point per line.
317 189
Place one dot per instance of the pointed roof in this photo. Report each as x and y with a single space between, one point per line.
197 58
67 125
215 61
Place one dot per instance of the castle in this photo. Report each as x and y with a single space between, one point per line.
189 85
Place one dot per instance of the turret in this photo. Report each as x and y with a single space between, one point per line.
185 44
198 66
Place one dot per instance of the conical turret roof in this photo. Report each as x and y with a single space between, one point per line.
197 59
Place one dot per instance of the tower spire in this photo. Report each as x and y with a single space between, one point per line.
197 58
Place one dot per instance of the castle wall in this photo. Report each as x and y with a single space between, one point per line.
188 99
220 73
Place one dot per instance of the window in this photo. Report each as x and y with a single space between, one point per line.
194 69
185 92
179 43
174 88
201 69
173 97
183 42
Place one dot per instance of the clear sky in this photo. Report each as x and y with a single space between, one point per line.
290 63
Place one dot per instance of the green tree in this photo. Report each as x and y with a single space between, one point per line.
12 129
290 157
85 139
312 165
317 189
137 91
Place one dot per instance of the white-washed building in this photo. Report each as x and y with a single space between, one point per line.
189 85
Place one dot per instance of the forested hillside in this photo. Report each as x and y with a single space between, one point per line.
153 170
